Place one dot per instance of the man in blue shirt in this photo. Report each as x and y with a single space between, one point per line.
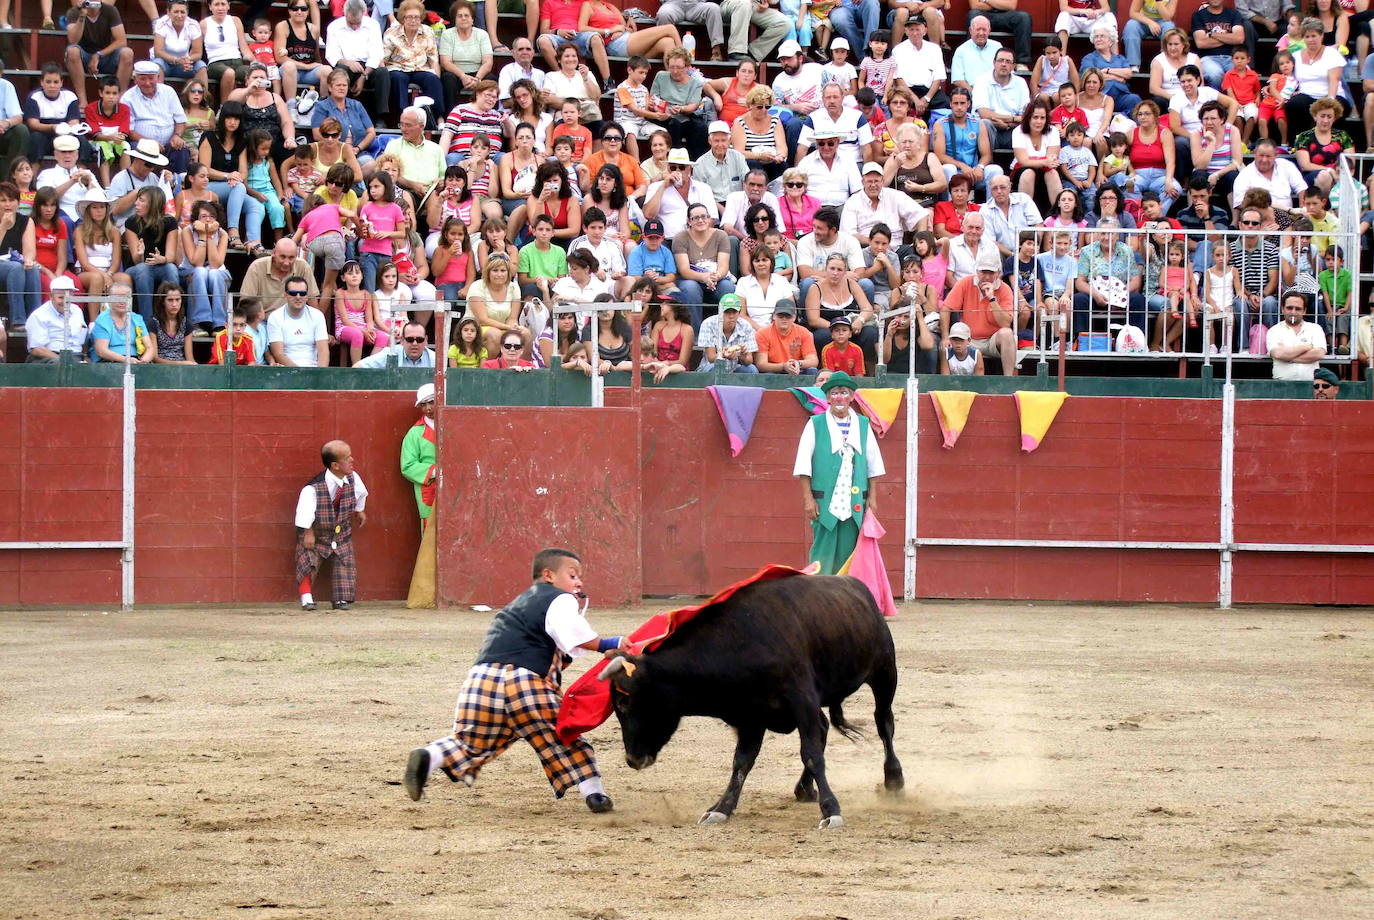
14 135
652 260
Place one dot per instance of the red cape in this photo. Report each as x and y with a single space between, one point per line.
588 701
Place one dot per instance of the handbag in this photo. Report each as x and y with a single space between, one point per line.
1259 335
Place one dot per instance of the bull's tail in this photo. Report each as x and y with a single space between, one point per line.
838 721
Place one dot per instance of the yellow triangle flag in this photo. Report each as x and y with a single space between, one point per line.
880 405
1038 411
952 408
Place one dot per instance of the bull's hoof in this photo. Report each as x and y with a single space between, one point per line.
805 793
894 783
714 817
831 822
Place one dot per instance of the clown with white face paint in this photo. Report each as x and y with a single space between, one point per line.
837 459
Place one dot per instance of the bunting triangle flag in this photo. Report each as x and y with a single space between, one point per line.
952 408
737 407
866 564
880 405
1038 411
811 398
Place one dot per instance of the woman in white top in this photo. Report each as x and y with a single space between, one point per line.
762 288
1035 145
1316 75
573 80
226 48
177 46
1164 68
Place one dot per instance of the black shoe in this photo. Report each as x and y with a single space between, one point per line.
739 56
341 605
598 802
309 606
417 774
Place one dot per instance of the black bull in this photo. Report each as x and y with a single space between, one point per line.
769 658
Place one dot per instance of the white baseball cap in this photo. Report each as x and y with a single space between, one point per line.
62 283
960 331
788 48
840 42
718 127
872 168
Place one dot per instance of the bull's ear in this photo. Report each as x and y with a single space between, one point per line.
618 664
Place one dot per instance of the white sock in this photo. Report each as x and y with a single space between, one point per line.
591 787
307 598
436 756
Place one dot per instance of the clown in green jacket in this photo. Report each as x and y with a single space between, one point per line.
417 453
837 458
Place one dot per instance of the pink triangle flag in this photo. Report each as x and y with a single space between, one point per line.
737 407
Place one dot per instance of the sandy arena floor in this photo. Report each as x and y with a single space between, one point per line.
1061 762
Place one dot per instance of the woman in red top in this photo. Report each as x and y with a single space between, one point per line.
672 340
949 215
620 36
1152 155
552 195
49 240
512 344
730 91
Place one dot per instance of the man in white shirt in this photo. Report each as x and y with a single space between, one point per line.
832 118
875 204
155 112
737 204
354 43
830 177
797 90
974 57
69 180
963 251
1007 213
1296 346
296 334
825 240
522 68
328 510
1000 97
1280 178
919 65
412 351
56 327
669 199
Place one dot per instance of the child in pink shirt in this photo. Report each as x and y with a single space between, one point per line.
383 223
320 229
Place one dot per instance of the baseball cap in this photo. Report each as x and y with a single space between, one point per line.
788 48
730 302
841 321
840 43
718 127
989 262
960 331
872 168
785 307
62 283
653 227
66 142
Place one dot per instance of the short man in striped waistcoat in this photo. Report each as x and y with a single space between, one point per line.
329 508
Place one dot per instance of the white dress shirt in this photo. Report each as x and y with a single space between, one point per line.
672 209
44 328
363 44
1285 186
853 124
567 626
305 504
53 177
831 184
919 67
894 208
1010 99
155 117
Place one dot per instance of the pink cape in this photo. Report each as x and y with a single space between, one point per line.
588 701
866 564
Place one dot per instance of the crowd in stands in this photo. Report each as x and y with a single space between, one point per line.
370 158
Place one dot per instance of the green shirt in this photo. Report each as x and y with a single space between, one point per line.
466 54
1337 288
422 163
538 263
688 93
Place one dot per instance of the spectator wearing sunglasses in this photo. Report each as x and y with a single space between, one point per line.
297 44
412 351
1325 384
510 359
832 178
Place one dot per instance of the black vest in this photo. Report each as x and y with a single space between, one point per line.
516 635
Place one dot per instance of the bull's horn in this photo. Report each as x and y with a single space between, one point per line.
613 667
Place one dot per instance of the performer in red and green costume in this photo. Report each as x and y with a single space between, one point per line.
417 453
837 458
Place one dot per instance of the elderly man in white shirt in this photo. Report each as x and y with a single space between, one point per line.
919 65
70 180
354 42
1000 97
875 204
849 125
1280 178
155 111
669 198
1007 213
830 177
963 251
56 327
737 204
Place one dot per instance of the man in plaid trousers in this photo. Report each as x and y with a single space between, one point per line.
329 508
513 689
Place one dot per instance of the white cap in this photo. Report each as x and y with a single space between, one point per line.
146 67
65 142
718 127
62 283
872 168
788 48
680 155
840 42
989 262
424 394
960 331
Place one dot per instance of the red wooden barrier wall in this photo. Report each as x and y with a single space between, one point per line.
217 475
